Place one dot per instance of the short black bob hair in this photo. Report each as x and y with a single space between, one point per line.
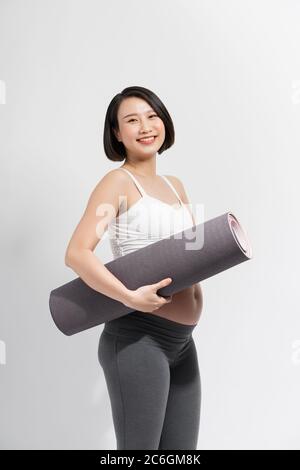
116 150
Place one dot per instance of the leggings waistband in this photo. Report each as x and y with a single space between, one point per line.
149 322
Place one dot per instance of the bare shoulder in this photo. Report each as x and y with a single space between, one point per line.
109 189
115 175
110 184
102 206
178 185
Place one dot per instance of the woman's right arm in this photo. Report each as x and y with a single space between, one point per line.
102 206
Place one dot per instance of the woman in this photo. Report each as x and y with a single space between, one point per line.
148 356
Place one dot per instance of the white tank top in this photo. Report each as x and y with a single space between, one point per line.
146 221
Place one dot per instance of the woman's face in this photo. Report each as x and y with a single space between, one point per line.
143 121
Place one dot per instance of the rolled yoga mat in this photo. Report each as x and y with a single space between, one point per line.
188 257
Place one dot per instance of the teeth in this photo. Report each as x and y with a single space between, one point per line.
145 140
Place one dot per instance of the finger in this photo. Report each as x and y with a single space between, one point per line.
164 282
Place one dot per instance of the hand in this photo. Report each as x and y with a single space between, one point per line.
145 298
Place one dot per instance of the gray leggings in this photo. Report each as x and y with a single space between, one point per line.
152 374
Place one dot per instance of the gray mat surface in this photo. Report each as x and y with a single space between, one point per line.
188 257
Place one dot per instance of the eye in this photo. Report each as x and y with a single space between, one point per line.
152 115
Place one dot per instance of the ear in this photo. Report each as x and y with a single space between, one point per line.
116 133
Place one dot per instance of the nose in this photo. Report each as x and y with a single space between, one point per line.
144 126
144 130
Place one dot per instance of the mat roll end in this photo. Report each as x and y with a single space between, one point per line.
53 308
240 235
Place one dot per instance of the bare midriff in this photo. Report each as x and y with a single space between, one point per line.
185 306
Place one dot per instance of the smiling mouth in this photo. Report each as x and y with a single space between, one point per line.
147 139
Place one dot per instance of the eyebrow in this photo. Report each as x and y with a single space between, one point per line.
136 114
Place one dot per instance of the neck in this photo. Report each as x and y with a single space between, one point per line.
145 169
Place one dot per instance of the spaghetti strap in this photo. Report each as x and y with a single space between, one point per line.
135 181
172 187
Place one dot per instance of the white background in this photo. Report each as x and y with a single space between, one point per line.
229 75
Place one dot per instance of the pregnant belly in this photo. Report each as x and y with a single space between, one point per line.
185 307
